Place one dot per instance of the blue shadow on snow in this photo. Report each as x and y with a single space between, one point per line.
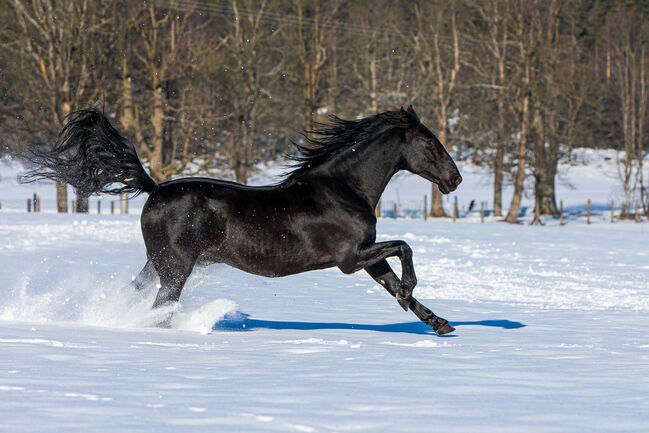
238 321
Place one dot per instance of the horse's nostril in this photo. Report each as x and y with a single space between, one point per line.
457 180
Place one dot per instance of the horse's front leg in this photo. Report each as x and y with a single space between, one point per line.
375 253
383 274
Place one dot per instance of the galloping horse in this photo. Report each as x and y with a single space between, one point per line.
320 216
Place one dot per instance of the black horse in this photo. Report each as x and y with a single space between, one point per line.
320 216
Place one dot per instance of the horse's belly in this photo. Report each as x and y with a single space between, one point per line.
277 265
273 256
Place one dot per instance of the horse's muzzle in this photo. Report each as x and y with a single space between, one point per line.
450 186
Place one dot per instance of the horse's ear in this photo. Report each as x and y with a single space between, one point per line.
403 113
413 115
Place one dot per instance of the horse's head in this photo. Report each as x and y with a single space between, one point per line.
424 154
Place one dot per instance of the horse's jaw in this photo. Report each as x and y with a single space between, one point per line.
445 187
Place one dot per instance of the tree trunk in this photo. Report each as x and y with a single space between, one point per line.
500 152
240 172
545 195
519 180
310 103
374 99
525 89
126 116
62 187
82 200
242 153
157 121
519 184
498 180
436 205
643 93
61 197
82 204
544 187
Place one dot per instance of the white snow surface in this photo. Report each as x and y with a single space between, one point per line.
551 330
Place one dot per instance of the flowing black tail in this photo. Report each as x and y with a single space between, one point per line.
91 155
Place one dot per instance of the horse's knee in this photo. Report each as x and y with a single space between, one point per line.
404 250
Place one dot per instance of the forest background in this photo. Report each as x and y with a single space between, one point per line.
215 88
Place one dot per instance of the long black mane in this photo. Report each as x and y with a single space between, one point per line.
329 139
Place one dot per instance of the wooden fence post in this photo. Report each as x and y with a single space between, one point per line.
482 212
561 213
637 215
425 207
74 207
36 202
112 206
455 212
98 207
123 203
612 211
623 211
394 209
29 205
377 210
432 198
588 212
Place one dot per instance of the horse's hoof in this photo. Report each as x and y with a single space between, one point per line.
165 324
444 329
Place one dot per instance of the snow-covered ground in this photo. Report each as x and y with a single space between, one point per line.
551 330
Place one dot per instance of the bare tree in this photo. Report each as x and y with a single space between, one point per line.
254 62
493 33
559 97
629 58
167 48
313 26
524 41
546 145
436 25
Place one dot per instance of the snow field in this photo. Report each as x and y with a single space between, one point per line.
551 336
551 327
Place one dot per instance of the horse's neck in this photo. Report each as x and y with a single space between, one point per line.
366 169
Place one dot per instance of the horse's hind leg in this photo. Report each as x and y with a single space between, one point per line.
173 265
383 274
145 277
174 269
